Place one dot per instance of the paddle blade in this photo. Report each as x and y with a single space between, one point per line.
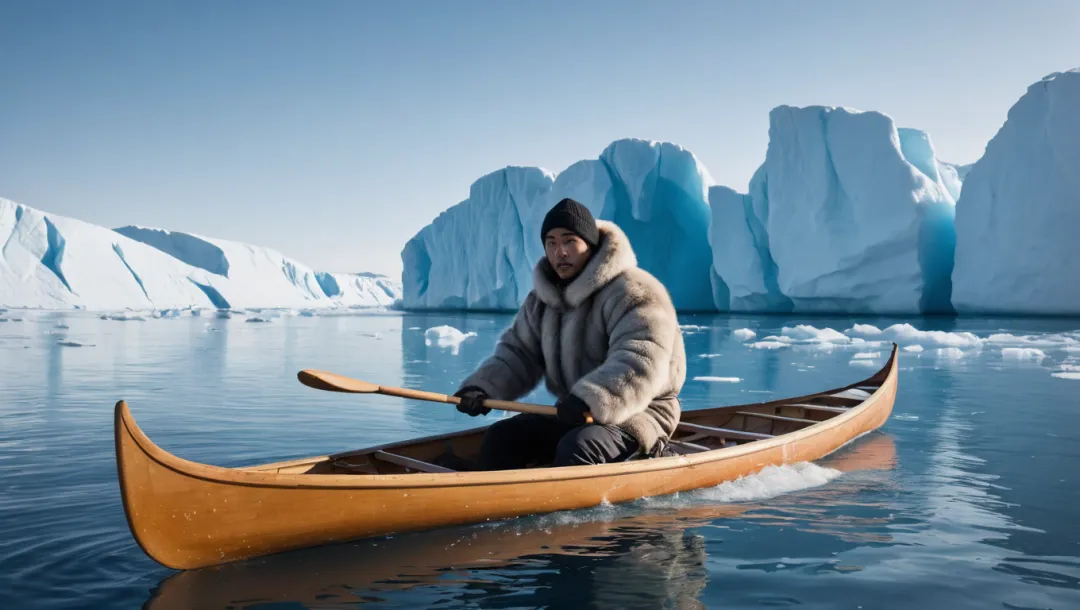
332 382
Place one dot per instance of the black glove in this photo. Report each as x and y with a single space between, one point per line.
471 397
572 410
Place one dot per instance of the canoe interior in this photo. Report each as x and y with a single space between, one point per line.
698 431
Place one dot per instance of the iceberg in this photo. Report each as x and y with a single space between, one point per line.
480 253
55 262
362 289
847 214
744 274
660 198
473 255
1017 220
237 274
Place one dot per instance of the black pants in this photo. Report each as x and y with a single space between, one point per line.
528 438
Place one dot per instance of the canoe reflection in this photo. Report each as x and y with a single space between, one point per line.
647 554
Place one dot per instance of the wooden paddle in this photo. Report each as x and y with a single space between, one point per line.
332 382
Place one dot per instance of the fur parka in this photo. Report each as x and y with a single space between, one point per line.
610 337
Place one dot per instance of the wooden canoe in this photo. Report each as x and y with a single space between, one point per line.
187 515
330 576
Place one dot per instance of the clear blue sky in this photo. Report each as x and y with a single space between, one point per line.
333 131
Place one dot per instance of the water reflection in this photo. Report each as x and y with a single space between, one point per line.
966 515
650 553
54 378
422 360
441 369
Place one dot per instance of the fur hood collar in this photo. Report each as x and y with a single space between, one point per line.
612 257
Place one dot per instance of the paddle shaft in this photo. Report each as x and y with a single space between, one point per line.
332 382
504 405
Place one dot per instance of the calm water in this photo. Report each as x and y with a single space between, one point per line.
968 497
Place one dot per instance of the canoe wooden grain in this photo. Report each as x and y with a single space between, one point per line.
329 576
188 515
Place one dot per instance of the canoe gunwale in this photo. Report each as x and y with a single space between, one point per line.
125 424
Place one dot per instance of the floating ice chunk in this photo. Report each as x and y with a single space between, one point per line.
788 340
718 379
768 345
446 337
950 353
744 334
913 349
908 333
70 343
1051 340
257 319
123 317
817 347
863 329
1022 353
804 332
866 355
1067 375
862 343
862 362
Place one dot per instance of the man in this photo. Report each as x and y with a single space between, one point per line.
603 335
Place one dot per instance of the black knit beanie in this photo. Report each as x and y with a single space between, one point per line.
572 216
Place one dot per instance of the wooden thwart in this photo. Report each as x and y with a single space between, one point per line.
408 462
724 432
794 420
817 408
692 447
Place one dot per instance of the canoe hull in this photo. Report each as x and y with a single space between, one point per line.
187 515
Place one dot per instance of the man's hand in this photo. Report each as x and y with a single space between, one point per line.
572 410
471 398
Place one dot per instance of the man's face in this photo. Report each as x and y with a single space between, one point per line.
566 252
